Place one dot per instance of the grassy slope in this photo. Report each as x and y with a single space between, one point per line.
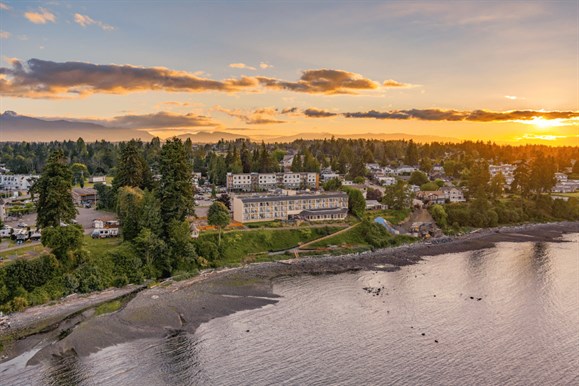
238 245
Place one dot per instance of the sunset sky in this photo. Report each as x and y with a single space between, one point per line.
493 70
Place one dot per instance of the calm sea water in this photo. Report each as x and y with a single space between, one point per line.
422 327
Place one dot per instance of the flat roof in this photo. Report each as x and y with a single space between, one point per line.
314 212
292 198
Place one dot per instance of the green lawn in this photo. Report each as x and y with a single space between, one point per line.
98 247
91 185
392 215
352 237
27 251
244 246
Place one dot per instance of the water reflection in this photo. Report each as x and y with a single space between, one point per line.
65 370
178 356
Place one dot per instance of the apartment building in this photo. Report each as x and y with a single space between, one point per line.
313 207
255 182
16 182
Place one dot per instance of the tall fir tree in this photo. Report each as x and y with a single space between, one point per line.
132 169
55 204
175 191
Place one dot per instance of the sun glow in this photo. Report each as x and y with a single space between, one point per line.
542 123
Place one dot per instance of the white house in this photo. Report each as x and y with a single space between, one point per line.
453 194
405 169
386 181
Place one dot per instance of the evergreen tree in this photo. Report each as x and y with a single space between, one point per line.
132 169
522 180
175 191
55 203
129 208
245 158
356 201
411 154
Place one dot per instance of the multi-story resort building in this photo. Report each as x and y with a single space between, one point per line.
313 207
255 182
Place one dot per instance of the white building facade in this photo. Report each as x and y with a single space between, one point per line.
314 207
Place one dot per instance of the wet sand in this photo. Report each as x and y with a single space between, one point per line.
183 306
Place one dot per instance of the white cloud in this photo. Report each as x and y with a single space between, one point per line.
41 17
242 66
85 21
264 65
4 6
4 35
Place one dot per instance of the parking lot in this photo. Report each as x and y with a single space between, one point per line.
84 218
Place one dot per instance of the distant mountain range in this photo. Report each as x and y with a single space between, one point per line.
15 127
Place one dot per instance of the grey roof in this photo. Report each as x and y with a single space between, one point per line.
314 212
292 198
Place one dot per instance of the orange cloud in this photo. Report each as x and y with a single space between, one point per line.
85 21
242 66
262 116
475 116
41 78
38 78
42 17
323 81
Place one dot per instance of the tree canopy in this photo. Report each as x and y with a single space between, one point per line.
55 204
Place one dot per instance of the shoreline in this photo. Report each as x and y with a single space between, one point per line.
183 306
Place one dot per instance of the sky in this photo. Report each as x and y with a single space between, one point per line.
505 71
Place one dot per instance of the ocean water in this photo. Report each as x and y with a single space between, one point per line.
502 316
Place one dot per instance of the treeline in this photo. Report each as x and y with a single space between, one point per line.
482 213
243 156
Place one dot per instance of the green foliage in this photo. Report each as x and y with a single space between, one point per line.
239 245
411 157
108 307
218 216
62 239
332 185
429 187
175 192
132 169
79 173
439 215
106 196
55 203
130 210
356 201
397 196
359 180
181 249
418 178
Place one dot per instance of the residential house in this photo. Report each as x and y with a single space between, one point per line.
98 179
453 194
507 171
404 170
82 196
